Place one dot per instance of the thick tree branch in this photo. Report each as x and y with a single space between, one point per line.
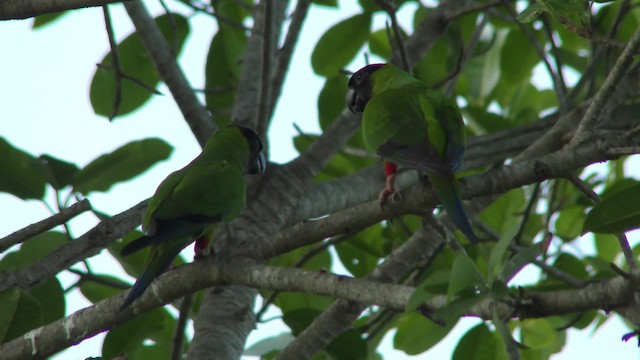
47 224
85 323
195 114
22 9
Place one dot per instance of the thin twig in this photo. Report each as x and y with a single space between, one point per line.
465 54
527 212
391 8
471 9
47 224
178 336
98 279
115 63
208 9
134 80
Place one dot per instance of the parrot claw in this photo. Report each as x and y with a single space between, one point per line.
389 191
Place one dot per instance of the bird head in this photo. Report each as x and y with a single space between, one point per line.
257 161
360 88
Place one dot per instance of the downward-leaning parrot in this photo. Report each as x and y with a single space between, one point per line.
411 125
190 201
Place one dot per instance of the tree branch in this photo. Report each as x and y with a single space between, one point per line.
44 225
21 9
164 58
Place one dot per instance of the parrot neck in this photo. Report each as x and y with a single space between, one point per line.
227 148
391 77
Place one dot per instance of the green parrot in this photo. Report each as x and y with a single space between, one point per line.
190 201
409 124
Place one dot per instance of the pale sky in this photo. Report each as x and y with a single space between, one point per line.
44 82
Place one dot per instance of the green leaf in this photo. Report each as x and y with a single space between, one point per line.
479 343
128 337
300 319
58 173
379 44
96 291
20 173
483 72
331 100
349 345
340 44
50 296
570 222
504 211
616 213
538 333
464 276
362 252
270 344
426 290
572 265
520 71
134 62
47 19
416 334
123 164
607 246
20 312
33 250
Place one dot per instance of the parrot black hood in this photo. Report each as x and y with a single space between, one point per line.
257 161
360 88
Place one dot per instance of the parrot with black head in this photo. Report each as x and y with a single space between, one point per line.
409 124
191 201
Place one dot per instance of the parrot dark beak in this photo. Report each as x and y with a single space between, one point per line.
351 100
258 165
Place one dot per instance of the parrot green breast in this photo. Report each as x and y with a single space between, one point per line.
211 185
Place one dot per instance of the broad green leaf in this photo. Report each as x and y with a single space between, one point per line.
300 319
537 333
331 100
349 345
33 250
47 19
618 212
135 63
572 265
483 72
361 253
479 343
129 336
50 296
273 343
379 44
20 173
319 262
607 246
98 291
20 312
464 276
416 334
570 222
58 173
122 164
340 44
518 71
504 211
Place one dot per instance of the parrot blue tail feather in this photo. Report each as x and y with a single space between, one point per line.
446 187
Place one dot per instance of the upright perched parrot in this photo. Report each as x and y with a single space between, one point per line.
411 125
190 201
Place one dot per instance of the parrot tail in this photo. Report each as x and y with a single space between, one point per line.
168 230
446 187
157 263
